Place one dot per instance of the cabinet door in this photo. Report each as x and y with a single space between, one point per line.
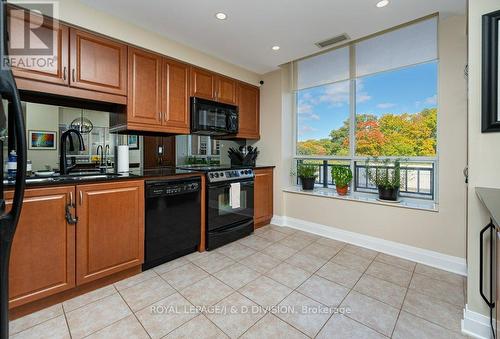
51 68
144 87
175 97
226 90
42 261
263 198
159 151
97 63
110 232
248 104
202 83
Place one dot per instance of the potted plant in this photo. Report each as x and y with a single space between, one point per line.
307 175
342 175
387 179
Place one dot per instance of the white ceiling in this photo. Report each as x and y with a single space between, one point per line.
252 27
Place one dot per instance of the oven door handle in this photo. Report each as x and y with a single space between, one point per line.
246 182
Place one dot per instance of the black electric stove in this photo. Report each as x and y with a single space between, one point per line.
227 219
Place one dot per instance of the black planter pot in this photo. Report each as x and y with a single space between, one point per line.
307 183
390 194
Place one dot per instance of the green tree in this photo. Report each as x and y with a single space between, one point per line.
389 135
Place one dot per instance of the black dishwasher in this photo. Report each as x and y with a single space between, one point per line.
173 219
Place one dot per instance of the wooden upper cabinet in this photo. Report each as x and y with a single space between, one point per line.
175 97
263 197
42 261
226 90
203 83
144 87
51 67
248 98
211 86
97 63
110 232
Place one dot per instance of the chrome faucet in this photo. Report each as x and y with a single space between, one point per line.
102 154
64 168
106 155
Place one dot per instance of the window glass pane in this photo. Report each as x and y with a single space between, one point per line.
406 46
396 112
323 69
323 120
417 178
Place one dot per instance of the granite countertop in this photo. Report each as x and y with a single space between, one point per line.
263 166
490 197
134 174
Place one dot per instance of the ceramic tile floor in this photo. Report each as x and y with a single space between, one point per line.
276 283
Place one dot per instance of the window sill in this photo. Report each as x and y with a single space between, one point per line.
331 193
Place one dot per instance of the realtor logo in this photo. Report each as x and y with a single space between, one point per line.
33 34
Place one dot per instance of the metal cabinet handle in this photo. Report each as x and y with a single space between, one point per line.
69 217
491 227
65 73
73 74
71 198
81 197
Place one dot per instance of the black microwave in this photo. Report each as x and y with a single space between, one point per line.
213 118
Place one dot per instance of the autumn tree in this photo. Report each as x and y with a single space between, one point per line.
388 135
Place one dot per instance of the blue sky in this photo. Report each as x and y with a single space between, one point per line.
407 90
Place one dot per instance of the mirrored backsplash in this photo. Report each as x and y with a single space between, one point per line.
46 123
201 149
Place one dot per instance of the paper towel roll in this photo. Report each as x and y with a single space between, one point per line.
122 163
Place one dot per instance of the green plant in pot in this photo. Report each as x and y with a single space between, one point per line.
342 176
387 178
307 175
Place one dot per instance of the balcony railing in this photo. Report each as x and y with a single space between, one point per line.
417 178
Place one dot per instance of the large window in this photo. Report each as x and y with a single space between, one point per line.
373 98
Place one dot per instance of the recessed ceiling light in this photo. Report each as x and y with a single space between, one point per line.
382 3
221 16
276 48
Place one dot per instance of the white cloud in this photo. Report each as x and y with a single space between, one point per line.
431 100
336 94
304 129
386 105
362 97
305 111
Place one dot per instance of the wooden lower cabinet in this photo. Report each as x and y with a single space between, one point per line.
263 197
42 260
110 232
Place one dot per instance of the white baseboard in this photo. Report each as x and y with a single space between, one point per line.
420 255
476 325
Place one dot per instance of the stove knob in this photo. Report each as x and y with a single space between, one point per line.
216 175
222 174
211 175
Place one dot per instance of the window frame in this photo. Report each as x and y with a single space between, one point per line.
352 158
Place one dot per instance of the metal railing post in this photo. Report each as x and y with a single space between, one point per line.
325 173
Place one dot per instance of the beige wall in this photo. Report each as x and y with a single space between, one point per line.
76 13
442 231
484 152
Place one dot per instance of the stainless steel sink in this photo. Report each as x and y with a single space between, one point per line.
71 177
94 176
